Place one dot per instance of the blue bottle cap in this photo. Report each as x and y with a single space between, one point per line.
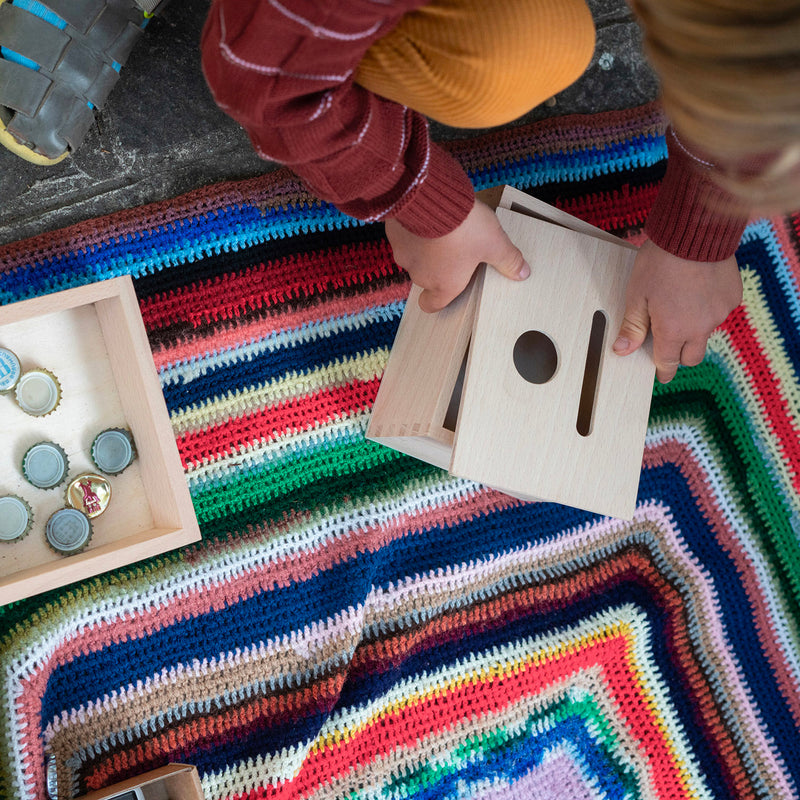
45 465
16 518
68 531
10 370
113 450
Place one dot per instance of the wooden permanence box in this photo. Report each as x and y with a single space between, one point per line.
515 385
93 339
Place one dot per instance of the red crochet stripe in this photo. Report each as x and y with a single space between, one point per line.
410 724
226 297
613 211
225 337
268 424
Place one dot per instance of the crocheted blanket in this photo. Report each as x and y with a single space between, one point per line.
358 624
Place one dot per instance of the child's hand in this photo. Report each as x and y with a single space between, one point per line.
444 266
681 301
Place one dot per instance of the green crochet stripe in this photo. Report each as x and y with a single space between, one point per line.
309 481
747 473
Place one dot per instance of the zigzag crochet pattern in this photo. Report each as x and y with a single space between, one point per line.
357 624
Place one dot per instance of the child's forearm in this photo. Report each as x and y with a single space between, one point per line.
285 72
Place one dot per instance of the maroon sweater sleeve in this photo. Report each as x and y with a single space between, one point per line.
284 70
692 217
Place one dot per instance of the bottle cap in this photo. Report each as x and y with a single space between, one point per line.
90 494
38 392
113 450
45 465
52 777
16 518
10 370
68 531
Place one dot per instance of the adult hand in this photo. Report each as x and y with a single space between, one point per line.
444 266
681 301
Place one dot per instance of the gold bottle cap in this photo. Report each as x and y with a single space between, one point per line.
16 518
68 531
90 494
45 465
10 370
38 392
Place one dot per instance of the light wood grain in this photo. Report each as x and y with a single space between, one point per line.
409 411
521 437
515 200
94 340
172 782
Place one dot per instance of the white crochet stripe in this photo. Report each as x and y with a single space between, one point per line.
448 750
765 230
438 748
186 371
781 366
425 588
342 431
180 581
777 614
234 404
721 349
508 658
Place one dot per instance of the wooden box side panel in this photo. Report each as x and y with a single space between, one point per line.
436 450
522 437
145 410
175 782
514 200
421 374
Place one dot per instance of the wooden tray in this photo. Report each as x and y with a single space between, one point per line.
93 339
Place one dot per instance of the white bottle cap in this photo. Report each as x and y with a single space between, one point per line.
38 392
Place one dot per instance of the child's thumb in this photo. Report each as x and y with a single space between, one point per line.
508 259
633 330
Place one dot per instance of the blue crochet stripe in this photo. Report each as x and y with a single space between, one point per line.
243 226
260 369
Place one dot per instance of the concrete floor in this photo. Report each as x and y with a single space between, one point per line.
160 133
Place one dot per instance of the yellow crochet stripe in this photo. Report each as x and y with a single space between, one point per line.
236 404
636 647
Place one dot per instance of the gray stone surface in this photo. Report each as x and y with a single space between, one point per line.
160 133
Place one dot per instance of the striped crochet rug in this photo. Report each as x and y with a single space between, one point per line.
357 624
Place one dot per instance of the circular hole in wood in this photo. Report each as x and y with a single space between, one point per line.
535 357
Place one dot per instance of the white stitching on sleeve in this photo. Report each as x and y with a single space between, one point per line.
325 33
689 152
265 69
423 173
